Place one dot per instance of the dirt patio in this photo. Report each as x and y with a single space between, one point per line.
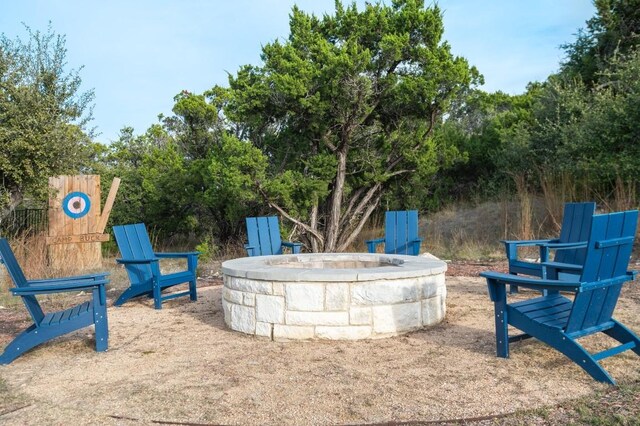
182 365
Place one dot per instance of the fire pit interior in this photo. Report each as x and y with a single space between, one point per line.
333 296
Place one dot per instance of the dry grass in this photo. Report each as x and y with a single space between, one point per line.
474 233
181 364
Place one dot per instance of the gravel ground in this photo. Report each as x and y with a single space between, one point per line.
181 365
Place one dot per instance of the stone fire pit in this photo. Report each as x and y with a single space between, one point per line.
332 296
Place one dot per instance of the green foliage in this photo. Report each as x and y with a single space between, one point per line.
230 176
593 133
193 122
42 116
207 250
614 30
124 158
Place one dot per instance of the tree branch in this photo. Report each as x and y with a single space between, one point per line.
363 220
288 216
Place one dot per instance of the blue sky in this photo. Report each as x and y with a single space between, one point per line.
138 54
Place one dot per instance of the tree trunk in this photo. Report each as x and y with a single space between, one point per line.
335 206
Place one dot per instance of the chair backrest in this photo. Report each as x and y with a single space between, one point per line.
19 279
133 242
576 226
400 229
608 252
263 234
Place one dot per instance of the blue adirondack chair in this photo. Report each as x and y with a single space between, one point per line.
560 321
49 326
264 238
143 267
400 234
576 223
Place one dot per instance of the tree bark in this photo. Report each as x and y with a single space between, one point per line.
335 206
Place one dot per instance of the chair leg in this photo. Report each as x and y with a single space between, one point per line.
25 341
157 295
132 292
192 290
623 335
576 353
100 321
499 297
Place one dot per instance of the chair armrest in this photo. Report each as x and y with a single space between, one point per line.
295 247
564 246
526 242
52 288
536 284
177 255
137 261
376 241
511 247
249 249
371 244
98 275
416 245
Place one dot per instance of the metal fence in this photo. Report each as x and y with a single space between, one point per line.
25 220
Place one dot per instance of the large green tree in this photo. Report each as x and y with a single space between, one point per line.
345 107
43 115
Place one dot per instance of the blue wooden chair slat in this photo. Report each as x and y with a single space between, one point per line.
412 229
143 267
579 215
400 234
560 321
274 234
263 234
48 326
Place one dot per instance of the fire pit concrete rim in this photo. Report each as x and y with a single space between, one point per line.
270 267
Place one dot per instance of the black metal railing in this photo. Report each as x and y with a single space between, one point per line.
20 221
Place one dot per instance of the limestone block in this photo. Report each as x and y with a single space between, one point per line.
337 297
432 310
317 318
360 316
270 309
292 332
263 329
278 289
243 318
249 285
305 297
396 318
343 333
384 292
233 296
249 299
432 285
226 308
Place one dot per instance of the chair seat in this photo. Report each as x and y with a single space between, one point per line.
54 319
552 311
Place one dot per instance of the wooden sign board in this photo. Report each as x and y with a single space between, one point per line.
76 223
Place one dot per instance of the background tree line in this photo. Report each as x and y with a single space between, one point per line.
354 113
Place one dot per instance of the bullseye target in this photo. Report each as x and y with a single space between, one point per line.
76 204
